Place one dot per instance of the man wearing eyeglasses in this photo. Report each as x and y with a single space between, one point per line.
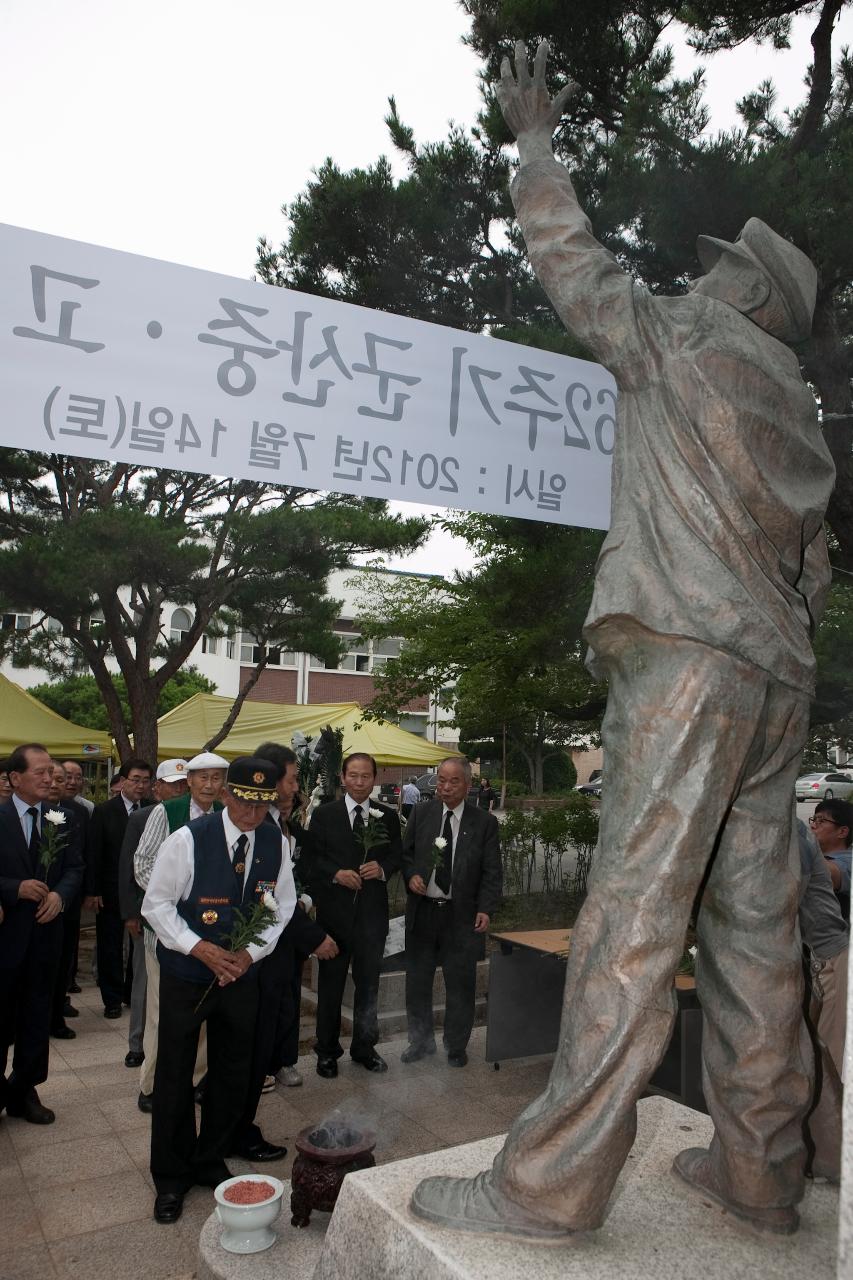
832 825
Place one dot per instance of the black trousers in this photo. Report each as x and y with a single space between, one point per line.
70 936
365 956
277 1024
431 941
180 1158
109 932
26 996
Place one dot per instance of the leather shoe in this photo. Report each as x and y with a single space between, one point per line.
112 1011
415 1052
261 1152
457 1059
74 989
372 1063
168 1206
327 1067
31 1110
145 1102
63 1033
68 1010
132 1059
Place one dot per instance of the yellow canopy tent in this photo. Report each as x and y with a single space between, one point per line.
183 731
24 719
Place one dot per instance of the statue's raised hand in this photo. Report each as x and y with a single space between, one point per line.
528 110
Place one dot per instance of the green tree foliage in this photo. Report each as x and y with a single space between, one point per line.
100 549
501 644
78 698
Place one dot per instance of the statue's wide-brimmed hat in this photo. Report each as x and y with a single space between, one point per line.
790 273
252 778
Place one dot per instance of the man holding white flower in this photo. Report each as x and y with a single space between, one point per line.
356 848
41 869
209 879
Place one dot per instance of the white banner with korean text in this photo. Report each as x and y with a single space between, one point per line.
113 356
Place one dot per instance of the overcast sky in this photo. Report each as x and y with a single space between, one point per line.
178 128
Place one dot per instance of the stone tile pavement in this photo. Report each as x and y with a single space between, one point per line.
76 1198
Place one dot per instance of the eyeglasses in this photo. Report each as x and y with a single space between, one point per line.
821 821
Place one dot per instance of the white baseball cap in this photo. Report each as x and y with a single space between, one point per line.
172 770
206 760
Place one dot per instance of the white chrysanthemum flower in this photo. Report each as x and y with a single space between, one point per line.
270 902
56 817
440 843
376 813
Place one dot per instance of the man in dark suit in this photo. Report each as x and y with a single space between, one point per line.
452 869
106 835
35 884
348 885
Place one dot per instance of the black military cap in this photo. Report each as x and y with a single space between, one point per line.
252 778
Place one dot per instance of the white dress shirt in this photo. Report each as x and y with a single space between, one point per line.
433 890
172 881
364 806
26 818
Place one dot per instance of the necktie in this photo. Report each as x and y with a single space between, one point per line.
35 835
134 806
444 873
240 850
358 821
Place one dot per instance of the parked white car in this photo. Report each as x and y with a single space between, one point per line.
823 786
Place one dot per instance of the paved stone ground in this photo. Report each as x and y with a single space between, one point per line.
76 1198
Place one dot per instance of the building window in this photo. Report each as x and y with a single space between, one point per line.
382 650
230 646
180 625
16 621
209 644
361 656
250 653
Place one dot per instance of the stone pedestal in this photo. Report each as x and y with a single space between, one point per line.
656 1226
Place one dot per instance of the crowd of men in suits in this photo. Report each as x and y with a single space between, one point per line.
177 861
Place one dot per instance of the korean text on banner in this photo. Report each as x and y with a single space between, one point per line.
112 356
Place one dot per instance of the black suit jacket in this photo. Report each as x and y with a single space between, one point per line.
343 913
477 871
65 876
129 893
300 932
107 828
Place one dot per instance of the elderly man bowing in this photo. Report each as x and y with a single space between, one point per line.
204 874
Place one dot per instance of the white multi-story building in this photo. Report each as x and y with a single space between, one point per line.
288 677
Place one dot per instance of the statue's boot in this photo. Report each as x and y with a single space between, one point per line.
694 1167
475 1204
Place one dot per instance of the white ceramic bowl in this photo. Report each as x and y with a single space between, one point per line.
246 1228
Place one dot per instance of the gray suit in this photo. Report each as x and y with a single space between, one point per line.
444 933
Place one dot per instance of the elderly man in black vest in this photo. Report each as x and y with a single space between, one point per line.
205 873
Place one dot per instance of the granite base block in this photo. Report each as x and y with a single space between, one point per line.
656 1227
294 1255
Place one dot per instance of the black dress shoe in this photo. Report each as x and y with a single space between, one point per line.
415 1052
63 1033
74 990
145 1102
168 1206
327 1067
31 1110
372 1062
457 1059
112 1011
132 1059
69 1011
260 1152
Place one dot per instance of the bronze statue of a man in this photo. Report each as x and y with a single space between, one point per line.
709 585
